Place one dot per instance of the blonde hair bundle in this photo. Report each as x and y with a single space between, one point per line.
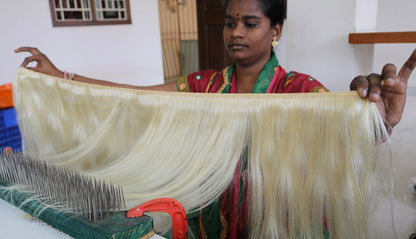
310 157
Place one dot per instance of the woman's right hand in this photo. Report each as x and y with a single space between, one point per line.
44 65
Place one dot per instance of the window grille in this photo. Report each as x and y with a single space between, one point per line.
89 12
179 35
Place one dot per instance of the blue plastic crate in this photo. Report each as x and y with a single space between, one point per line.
9 130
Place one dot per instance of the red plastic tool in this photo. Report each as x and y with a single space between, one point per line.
169 205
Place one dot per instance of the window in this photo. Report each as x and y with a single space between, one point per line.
89 12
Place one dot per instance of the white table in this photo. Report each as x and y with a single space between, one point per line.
16 224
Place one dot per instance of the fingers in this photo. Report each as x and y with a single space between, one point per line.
29 59
388 75
389 71
361 85
367 86
407 68
375 87
32 50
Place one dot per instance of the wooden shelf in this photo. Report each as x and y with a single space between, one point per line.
382 37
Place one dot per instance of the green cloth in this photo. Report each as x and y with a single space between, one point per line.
265 77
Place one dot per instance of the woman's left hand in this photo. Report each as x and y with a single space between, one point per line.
387 90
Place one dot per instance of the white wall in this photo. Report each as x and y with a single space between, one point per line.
317 31
395 15
317 40
121 53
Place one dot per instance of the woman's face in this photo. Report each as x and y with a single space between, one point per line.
247 32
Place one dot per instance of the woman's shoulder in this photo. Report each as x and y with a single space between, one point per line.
296 82
202 75
196 81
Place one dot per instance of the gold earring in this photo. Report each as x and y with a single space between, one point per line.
274 42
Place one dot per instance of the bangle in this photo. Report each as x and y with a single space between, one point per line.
69 75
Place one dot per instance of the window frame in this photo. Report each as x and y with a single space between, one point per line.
93 22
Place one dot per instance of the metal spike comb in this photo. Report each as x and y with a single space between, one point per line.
69 189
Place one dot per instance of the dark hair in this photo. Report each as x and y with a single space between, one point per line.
275 10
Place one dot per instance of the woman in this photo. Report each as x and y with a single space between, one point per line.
251 27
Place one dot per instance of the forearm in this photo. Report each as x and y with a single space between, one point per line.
163 87
44 65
